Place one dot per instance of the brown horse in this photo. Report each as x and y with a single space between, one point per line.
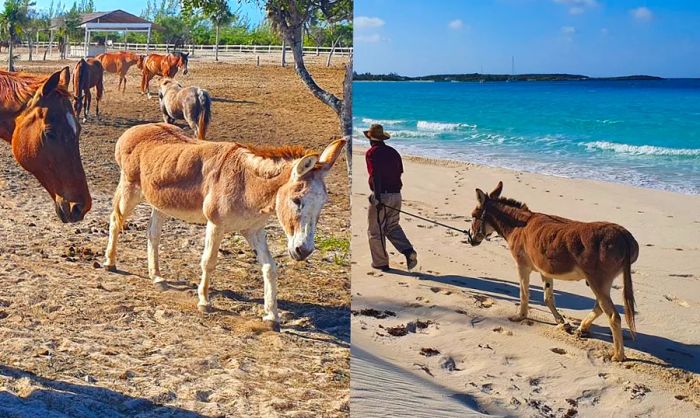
559 248
88 74
162 66
119 63
227 186
37 119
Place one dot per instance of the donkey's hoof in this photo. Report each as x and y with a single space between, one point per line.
206 309
581 333
517 318
273 325
161 286
111 269
566 327
619 358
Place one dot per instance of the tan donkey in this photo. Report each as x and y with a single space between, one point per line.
563 249
227 186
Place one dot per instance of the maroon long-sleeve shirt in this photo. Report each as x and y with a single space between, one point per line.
384 167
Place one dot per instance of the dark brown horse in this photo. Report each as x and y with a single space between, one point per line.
88 74
559 248
162 66
37 119
119 63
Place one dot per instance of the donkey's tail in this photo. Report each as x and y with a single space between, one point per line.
627 288
204 113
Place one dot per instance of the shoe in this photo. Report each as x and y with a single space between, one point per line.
382 268
411 260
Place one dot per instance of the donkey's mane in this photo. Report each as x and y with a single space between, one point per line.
285 152
512 202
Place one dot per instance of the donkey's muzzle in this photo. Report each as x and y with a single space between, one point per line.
300 253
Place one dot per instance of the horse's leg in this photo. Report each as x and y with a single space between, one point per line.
602 293
588 320
126 197
148 82
86 104
143 82
191 119
155 228
258 240
212 240
549 299
524 274
100 92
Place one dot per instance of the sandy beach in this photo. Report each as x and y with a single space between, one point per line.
459 347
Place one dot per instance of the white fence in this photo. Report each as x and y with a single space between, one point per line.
202 50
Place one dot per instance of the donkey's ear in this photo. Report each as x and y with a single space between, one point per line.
481 196
496 193
331 153
304 165
51 83
64 79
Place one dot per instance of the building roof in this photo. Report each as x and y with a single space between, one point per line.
115 17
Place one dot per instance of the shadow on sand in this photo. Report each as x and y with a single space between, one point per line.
54 398
676 354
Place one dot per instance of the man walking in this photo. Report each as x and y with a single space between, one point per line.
385 168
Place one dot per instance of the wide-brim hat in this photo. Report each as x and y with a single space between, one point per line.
376 132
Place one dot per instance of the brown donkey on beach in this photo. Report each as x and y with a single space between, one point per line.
225 185
563 249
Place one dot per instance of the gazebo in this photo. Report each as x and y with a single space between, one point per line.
114 21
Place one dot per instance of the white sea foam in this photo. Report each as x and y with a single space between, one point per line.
442 126
383 122
642 149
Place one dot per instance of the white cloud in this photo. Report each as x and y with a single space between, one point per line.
369 39
367 22
577 7
568 30
642 14
456 24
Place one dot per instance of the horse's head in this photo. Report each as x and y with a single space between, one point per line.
183 58
481 228
300 200
139 61
45 143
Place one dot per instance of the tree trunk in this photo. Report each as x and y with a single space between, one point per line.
31 46
11 59
284 53
216 48
46 51
292 36
346 114
330 54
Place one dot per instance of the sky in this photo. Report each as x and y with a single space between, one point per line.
247 8
590 37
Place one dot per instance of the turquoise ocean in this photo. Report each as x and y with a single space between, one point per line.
642 133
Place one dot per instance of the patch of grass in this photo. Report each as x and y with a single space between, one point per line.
338 249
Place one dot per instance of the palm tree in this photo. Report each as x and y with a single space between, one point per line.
219 13
13 18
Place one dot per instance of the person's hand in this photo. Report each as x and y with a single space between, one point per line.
374 200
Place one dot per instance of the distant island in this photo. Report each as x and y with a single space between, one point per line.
476 77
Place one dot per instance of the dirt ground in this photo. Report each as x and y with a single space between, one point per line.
76 340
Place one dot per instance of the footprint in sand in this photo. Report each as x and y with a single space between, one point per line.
429 352
500 330
681 302
483 301
558 350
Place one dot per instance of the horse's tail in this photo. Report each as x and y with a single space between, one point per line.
79 74
204 113
632 251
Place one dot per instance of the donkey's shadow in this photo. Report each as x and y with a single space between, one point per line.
675 353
